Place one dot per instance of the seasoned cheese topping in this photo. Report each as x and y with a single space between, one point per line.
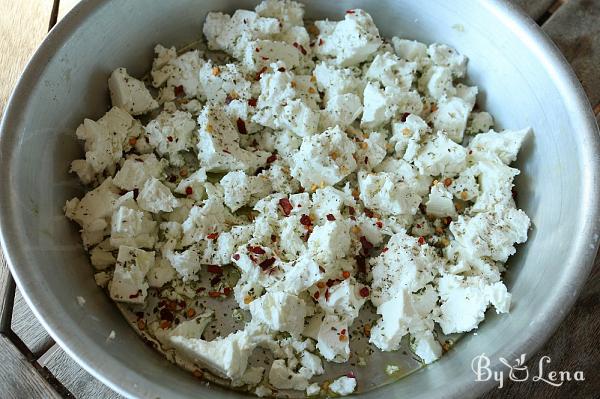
298 173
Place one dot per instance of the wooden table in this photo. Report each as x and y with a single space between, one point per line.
33 366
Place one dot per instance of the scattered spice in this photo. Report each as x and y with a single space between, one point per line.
346 274
259 73
216 71
189 190
364 292
330 217
241 126
272 158
421 240
252 102
236 256
305 220
214 294
214 269
447 182
316 295
132 141
286 206
213 236
265 264
191 312
256 250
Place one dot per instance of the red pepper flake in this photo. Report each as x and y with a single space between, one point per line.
350 374
346 274
330 283
361 264
369 213
366 160
281 69
252 102
259 73
227 152
264 58
343 331
351 211
256 250
189 190
302 49
257 50
172 179
136 192
214 294
295 44
236 256
132 140
421 240
265 264
170 139
327 295
241 125
385 249
179 91
214 269
213 236
273 238
135 295
379 224
404 116
166 314
272 158
228 99
305 220
316 295
227 291
366 244
364 292
321 42
330 217
215 280
286 206
350 12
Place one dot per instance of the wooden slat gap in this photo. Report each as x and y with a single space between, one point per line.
54 14
551 10
8 303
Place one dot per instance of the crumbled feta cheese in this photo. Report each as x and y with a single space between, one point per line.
156 197
343 386
440 202
279 312
350 41
129 282
441 156
504 145
380 191
129 93
171 133
324 158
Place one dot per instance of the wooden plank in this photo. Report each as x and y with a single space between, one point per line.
78 381
23 25
534 8
18 378
28 328
575 28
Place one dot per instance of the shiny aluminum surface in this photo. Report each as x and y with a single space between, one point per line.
523 81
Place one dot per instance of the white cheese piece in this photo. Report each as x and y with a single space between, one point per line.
381 105
156 197
171 133
406 264
350 41
330 241
106 138
194 183
381 192
343 386
343 299
398 315
492 233
289 13
279 312
241 189
204 220
219 82
298 275
390 70
329 344
180 73
263 391
136 170
129 93
161 273
129 279
102 279
133 228
441 156
448 57
465 300
341 110
440 202
407 136
324 158
451 117
436 82
336 81
479 122
269 51
410 50
372 150
427 347
282 377
101 256
330 201
219 144
504 145
313 389
226 356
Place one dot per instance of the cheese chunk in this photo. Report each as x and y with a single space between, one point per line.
350 41
129 279
324 158
279 312
129 93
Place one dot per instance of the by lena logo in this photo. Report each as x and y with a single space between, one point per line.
518 371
